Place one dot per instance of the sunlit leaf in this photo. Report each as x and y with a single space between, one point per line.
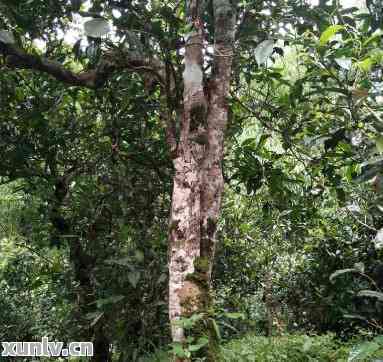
366 64
329 33
376 36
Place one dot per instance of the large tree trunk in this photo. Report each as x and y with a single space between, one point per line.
198 181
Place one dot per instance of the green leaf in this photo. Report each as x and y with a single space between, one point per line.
362 351
133 278
307 345
374 37
379 143
342 271
178 349
379 340
111 300
234 315
123 261
216 329
96 28
6 37
372 294
329 33
366 64
202 341
139 255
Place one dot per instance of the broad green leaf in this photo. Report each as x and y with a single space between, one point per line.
362 351
202 341
366 64
263 51
379 143
372 294
329 33
6 37
374 37
178 349
96 28
342 271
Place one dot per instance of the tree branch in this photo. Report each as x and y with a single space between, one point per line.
17 58
95 78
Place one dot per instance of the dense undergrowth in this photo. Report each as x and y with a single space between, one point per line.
293 348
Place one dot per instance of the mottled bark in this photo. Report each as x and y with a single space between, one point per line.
212 178
184 232
198 181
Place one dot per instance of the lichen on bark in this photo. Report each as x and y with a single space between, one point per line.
204 303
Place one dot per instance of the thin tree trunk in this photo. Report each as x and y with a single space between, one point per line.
198 182
83 265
